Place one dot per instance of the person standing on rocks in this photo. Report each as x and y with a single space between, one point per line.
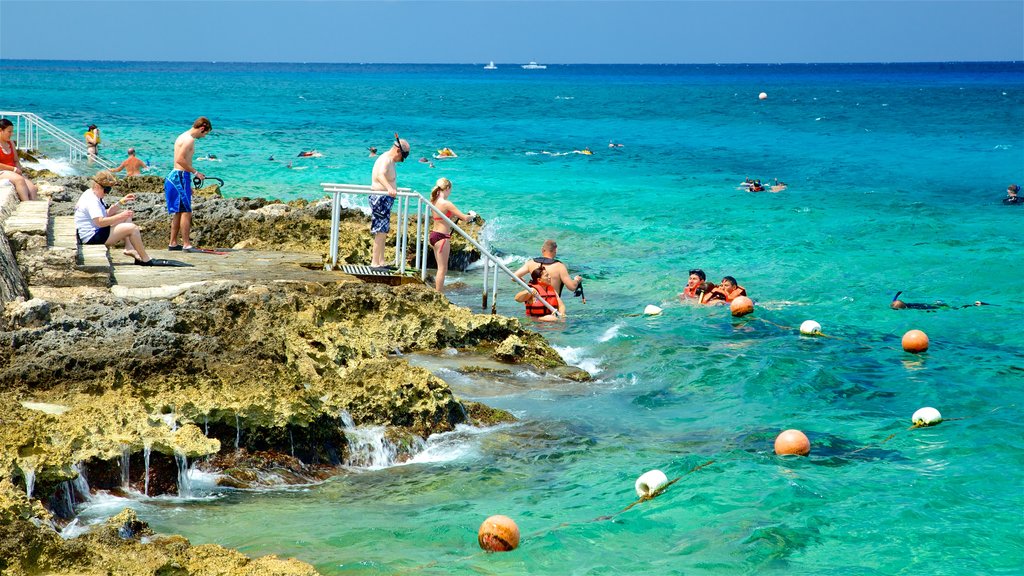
384 178
178 185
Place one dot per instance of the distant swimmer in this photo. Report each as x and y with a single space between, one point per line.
310 154
373 151
613 144
778 186
424 160
756 186
271 159
1011 195
898 304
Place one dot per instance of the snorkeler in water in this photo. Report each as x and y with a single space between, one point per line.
898 304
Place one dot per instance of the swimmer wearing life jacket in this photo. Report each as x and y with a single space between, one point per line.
898 304
541 290
692 284
727 291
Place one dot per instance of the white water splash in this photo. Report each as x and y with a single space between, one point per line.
184 482
145 455
575 357
29 470
81 483
59 166
610 333
355 202
126 454
238 431
367 446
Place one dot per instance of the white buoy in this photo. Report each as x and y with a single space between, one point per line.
810 328
762 96
652 310
650 482
927 416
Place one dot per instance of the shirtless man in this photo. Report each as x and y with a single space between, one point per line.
555 272
384 179
178 185
132 164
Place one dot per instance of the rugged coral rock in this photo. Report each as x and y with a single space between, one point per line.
259 378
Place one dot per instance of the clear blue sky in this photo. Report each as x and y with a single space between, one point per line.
423 31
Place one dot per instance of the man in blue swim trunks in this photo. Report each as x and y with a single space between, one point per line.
178 185
384 179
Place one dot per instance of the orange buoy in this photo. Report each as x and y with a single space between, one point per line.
741 306
792 442
915 341
498 534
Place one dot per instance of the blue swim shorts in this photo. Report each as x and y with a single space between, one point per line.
178 191
380 209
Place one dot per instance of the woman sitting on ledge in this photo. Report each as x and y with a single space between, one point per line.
10 165
95 224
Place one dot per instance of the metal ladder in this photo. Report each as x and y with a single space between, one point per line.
28 128
423 210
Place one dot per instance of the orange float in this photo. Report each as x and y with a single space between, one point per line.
915 341
792 442
498 534
741 306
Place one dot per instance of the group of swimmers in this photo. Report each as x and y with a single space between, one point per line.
698 288
755 185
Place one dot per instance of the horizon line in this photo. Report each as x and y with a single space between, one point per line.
889 62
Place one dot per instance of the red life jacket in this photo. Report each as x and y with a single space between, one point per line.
547 292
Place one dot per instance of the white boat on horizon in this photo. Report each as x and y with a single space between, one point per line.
491 66
534 66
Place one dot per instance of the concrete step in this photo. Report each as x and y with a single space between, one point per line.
30 217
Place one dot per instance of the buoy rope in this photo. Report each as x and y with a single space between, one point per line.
645 498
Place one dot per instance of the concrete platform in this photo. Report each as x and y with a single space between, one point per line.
133 281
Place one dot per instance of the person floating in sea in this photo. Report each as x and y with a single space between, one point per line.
133 165
10 164
1011 195
441 233
92 142
555 272
373 151
693 283
384 179
540 290
728 290
898 304
97 224
178 184
778 186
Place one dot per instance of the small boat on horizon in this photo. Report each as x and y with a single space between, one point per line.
491 66
534 66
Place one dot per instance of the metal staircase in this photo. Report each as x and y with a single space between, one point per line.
423 208
28 128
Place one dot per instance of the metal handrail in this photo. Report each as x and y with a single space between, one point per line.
422 236
30 125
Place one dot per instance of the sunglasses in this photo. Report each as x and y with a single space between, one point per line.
398 142
107 189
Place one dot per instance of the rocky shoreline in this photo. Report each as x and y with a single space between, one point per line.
256 378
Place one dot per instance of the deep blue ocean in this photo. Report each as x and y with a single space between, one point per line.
895 175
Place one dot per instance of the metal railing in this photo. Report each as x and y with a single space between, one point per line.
28 128
423 211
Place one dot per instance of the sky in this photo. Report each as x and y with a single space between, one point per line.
516 31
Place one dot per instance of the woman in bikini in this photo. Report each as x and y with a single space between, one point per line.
10 165
441 233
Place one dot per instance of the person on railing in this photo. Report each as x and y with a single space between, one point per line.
556 274
97 224
441 233
541 290
384 179
92 142
132 164
10 165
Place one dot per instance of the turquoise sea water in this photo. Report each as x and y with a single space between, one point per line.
895 175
